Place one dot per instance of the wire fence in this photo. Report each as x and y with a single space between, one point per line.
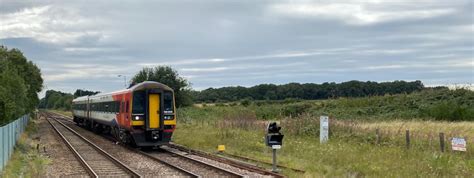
9 134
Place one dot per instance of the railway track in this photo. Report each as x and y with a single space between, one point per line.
96 161
247 167
202 168
180 159
191 167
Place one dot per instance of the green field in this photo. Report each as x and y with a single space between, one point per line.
352 150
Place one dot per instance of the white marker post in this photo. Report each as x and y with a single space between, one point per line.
324 129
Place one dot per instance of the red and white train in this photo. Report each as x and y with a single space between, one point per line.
142 115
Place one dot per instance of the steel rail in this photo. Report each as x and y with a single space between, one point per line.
191 174
224 160
110 157
87 167
166 163
204 163
205 155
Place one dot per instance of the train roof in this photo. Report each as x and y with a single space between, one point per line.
145 84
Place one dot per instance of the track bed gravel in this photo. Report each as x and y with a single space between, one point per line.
63 162
143 165
218 164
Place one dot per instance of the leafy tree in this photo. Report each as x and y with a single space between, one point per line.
20 82
170 77
30 73
56 100
80 92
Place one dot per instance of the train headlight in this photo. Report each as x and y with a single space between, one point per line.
138 118
168 117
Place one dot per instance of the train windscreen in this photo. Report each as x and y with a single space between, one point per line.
168 102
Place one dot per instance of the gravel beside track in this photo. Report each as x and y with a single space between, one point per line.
96 160
145 166
201 168
63 162
225 161
149 167
243 172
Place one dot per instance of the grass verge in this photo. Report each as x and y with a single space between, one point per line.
25 160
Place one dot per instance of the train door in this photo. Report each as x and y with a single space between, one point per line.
124 120
154 110
122 110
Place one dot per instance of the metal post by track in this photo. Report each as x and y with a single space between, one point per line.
274 166
274 139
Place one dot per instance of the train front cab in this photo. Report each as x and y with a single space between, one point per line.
153 117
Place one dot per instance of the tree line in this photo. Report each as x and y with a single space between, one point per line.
185 96
163 74
20 82
60 100
306 91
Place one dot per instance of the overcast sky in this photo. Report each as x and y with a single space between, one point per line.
86 44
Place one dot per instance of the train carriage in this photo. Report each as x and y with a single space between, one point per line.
142 115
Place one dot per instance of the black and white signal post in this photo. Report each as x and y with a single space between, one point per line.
274 139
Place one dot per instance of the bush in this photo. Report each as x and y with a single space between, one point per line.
268 112
245 102
295 109
451 111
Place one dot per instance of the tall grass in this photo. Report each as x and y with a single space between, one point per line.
352 150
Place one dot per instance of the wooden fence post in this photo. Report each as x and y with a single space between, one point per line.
407 138
441 141
377 136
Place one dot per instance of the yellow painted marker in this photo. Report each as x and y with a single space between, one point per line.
221 148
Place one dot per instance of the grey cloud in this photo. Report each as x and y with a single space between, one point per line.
219 43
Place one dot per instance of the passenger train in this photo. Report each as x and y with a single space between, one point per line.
143 115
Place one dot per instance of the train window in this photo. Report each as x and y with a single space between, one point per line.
138 104
126 108
168 102
111 106
116 106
